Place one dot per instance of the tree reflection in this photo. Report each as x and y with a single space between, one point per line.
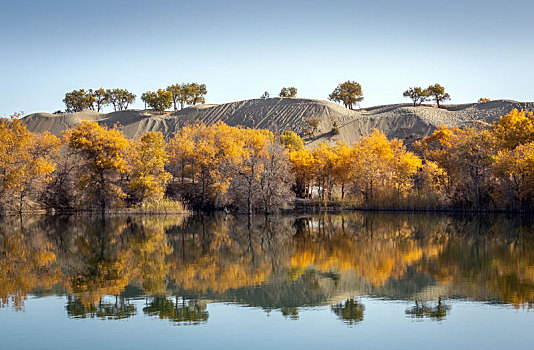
118 310
349 311
290 312
436 312
180 312
276 263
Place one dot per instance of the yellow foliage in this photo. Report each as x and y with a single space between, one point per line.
291 140
381 165
147 162
514 129
210 157
104 153
26 160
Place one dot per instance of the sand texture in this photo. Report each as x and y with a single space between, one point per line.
276 114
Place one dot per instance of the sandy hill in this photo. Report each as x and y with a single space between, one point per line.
276 114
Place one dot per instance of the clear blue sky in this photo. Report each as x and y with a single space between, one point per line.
242 48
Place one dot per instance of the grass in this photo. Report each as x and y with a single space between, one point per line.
161 206
165 205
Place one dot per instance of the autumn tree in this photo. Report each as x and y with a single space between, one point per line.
103 154
120 98
467 156
262 179
325 159
276 180
144 97
303 167
61 191
179 95
417 95
78 100
101 98
26 163
198 154
380 166
147 163
514 169
342 165
313 124
514 129
514 136
180 150
196 93
335 129
290 140
249 166
404 165
483 100
437 92
349 93
159 100
288 92
370 167
220 165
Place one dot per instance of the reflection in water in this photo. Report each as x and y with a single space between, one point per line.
117 310
435 312
350 311
179 312
179 265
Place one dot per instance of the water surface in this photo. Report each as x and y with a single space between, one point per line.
367 280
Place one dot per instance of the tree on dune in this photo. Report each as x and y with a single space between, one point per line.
101 98
349 93
437 92
288 92
159 100
290 140
196 93
179 95
78 100
417 95
120 99
313 124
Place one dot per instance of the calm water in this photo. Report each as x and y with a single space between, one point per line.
377 281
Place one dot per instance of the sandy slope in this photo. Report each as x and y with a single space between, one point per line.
277 114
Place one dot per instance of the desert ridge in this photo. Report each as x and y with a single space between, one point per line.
336 123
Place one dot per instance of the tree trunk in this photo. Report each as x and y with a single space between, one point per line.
102 195
249 196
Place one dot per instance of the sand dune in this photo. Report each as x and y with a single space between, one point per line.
276 114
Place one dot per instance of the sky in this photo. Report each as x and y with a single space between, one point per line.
240 49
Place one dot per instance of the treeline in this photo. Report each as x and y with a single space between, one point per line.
435 92
483 167
121 99
348 93
209 167
89 167
93 167
80 100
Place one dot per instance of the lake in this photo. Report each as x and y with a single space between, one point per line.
310 281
